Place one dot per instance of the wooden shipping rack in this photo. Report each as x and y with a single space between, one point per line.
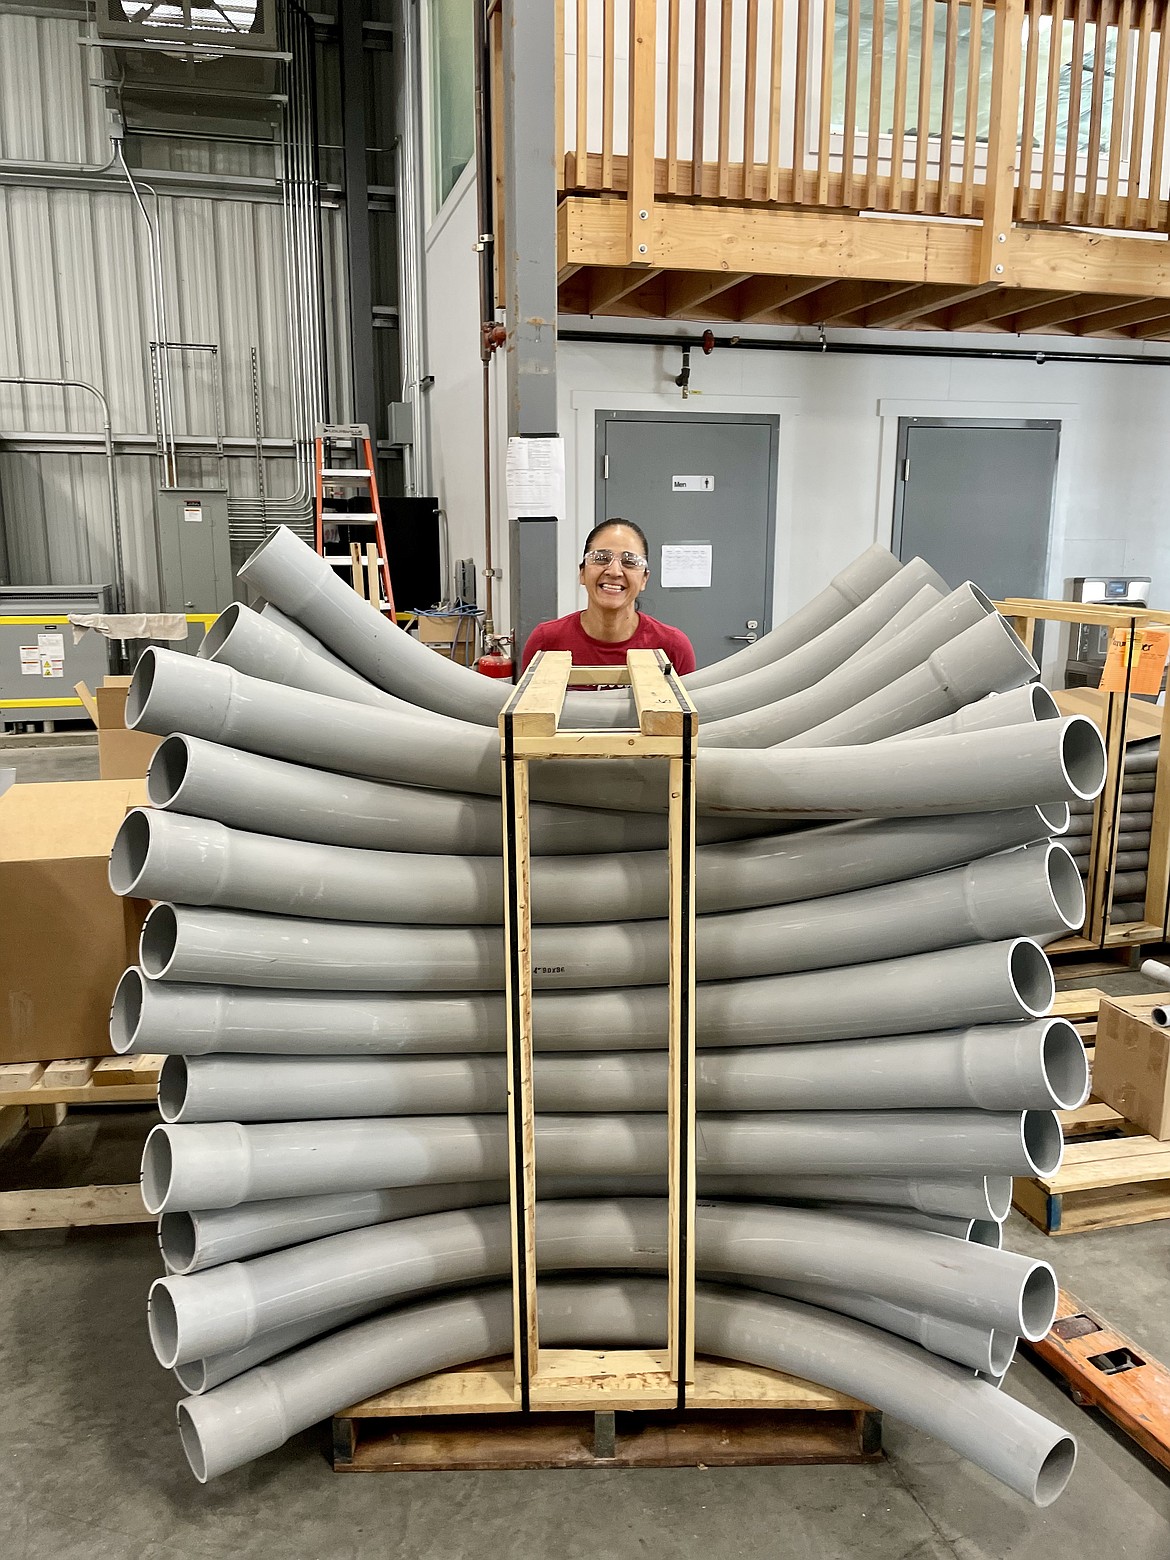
557 1407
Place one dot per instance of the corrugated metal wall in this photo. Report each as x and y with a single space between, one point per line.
74 304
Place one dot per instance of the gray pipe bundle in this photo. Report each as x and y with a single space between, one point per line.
880 786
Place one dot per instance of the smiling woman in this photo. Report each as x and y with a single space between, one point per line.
614 572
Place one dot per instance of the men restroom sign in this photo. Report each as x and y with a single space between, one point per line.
692 484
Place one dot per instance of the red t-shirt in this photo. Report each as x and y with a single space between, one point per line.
566 633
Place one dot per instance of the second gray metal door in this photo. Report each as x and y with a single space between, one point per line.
697 483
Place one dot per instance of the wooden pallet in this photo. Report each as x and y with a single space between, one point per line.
1104 1369
469 1418
37 1095
1102 1184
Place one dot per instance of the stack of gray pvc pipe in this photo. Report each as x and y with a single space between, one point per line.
880 784
1132 851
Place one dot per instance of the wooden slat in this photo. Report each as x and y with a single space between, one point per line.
17 1076
925 82
776 98
947 129
825 106
1114 205
873 133
749 87
1028 129
571 1380
13 1119
725 86
60 1208
898 124
1158 130
1141 78
609 42
1051 110
971 124
673 26
641 131
849 131
1002 145
68 1075
800 104
1095 149
539 708
581 139
698 122
1068 202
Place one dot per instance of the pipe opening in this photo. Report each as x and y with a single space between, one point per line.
128 857
984 601
216 636
1038 1302
157 1170
998 1190
1082 753
1055 816
167 771
192 1377
1044 706
1161 1015
1001 1351
1068 891
1043 1141
172 1088
162 1324
192 1444
1028 970
1065 1065
140 686
242 571
1055 1471
126 1011
160 933
986 1232
176 1239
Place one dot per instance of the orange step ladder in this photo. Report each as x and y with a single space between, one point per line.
348 507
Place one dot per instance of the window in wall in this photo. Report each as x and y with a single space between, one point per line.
452 97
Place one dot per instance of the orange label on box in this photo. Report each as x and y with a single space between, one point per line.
1146 657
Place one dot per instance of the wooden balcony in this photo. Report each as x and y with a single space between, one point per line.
943 164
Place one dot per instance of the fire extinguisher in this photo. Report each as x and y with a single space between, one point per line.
497 660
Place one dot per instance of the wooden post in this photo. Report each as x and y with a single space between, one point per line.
681 1113
1000 189
640 160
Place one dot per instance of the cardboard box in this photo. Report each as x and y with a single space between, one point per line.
122 754
453 635
1131 1062
64 937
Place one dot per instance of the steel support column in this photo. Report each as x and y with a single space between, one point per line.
357 214
530 276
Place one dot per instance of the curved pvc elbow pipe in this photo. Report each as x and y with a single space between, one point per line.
983 983
1037 892
1037 1066
1017 707
848 589
258 1412
226 1308
188 1168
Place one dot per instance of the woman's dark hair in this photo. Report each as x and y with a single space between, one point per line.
630 525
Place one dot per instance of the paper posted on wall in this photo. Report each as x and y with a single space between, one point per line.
535 478
685 565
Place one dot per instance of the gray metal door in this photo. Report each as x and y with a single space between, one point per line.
974 498
704 491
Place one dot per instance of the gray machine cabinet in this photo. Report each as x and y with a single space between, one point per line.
194 550
31 669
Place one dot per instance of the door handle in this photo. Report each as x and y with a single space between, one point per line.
748 639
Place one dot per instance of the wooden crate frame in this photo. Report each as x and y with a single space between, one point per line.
1119 708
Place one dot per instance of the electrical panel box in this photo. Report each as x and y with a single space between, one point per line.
194 550
39 663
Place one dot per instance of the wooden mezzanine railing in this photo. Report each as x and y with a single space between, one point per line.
1022 121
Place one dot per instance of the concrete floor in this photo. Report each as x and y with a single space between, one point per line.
92 1466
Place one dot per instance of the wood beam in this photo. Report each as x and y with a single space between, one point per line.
997 305
612 283
1154 331
840 300
920 302
684 292
1064 311
1130 314
762 297
763 240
